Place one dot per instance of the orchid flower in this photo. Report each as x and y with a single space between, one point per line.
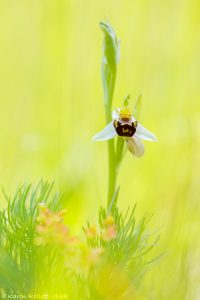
126 126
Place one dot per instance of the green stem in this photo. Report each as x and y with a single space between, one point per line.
112 172
109 70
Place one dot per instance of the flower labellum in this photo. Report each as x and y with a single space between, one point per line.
125 126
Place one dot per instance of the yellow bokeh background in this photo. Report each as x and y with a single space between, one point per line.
51 105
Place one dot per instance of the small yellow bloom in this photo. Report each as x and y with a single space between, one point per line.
109 231
91 231
109 221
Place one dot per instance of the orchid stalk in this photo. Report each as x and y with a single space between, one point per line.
109 72
121 121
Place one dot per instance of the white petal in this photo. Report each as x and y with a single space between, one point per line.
135 146
107 133
145 134
115 114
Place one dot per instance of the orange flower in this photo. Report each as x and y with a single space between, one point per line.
51 228
109 231
91 231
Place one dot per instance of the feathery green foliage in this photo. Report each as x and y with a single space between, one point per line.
17 237
27 267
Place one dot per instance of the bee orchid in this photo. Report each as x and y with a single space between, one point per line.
126 126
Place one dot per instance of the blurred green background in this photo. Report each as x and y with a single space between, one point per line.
51 105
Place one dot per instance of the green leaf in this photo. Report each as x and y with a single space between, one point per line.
109 65
110 46
137 107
